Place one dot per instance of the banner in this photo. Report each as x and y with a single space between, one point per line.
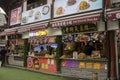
15 16
69 7
36 14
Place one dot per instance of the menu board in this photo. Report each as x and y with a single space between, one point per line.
36 14
69 7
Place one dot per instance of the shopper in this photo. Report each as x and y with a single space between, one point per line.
3 53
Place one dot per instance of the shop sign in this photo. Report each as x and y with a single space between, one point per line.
68 7
113 15
42 40
10 32
22 30
39 27
15 16
76 20
80 28
37 14
38 33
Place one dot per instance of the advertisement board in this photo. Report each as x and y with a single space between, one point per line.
15 16
37 14
69 7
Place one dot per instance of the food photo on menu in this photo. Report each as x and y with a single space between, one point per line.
75 6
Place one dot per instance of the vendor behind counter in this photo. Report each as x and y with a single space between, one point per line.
89 48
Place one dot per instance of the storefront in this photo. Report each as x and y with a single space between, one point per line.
42 50
42 55
84 53
15 48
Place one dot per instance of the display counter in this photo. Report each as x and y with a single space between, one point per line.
41 64
15 60
93 69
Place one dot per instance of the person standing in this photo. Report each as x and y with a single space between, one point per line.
3 53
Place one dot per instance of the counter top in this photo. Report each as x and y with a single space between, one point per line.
86 59
41 57
13 55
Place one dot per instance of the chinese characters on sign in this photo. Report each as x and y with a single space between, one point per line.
80 28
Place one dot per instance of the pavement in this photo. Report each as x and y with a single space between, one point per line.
19 73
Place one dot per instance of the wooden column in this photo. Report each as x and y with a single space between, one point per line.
112 55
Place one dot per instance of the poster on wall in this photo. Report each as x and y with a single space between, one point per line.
36 14
15 16
69 7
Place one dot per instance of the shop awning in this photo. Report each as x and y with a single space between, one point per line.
76 20
10 32
113 14
23 30
39 27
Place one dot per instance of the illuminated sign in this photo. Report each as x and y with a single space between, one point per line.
38 33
